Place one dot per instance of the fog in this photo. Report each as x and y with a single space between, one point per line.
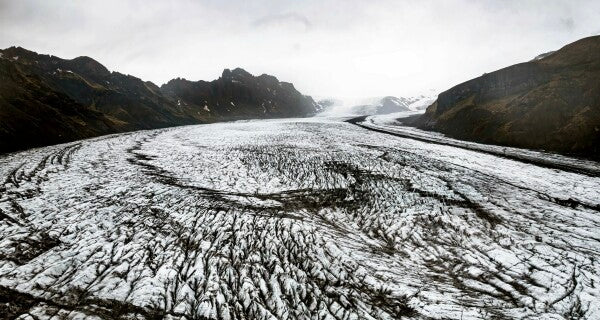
330 48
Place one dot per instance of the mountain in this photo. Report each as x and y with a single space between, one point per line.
550 103
384 105
365 106
46 100
422 102
393 104
239 95
328 103
543 55
32 113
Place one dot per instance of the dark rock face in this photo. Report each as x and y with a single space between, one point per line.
47 100
33 113
551 103
238 95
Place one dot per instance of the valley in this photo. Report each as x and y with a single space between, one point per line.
313 218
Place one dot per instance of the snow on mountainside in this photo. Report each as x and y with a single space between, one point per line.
422 102
373 105
543 55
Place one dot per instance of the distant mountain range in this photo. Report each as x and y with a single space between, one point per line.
384 105
46 100
550 103
373 106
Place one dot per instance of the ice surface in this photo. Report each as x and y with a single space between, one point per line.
293 219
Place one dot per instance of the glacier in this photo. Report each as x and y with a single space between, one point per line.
311 218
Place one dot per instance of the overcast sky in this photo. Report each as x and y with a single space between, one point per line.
340 48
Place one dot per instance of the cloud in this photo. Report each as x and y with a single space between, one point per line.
324 47
568 23
289 20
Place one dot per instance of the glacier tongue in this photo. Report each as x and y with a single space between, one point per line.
292 219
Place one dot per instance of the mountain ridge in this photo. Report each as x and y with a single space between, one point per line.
551 103
46 100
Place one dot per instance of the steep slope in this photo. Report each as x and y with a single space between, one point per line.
45 100
137 103
34 114
550 103
394 104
